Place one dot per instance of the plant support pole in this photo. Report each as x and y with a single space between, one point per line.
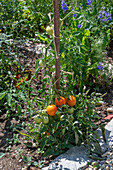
57 41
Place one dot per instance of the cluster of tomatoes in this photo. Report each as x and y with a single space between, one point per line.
19 81
70 101
52 109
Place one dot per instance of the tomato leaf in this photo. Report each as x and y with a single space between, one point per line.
19 109
48 152
2 95
43 143
9 97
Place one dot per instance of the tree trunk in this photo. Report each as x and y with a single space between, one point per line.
57 41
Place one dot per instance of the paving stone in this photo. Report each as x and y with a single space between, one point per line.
109 133
71 160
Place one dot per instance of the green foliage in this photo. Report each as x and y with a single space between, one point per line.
24 18
83 48
11 97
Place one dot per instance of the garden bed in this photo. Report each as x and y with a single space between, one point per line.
16 153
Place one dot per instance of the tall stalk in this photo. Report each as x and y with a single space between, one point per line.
57 41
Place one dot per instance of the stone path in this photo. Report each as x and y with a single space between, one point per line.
76 158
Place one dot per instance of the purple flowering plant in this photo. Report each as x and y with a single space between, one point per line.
104 16
100 67
79 25
64 6
80 38
100 16
89 2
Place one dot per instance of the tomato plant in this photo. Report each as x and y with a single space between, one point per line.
19 81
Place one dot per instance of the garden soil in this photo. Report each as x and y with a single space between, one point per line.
13 158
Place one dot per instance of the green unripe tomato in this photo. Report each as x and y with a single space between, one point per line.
41 62
49 30
71 110
37 119
45 119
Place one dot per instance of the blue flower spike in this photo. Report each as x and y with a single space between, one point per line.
100 67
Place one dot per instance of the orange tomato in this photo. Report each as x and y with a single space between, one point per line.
18 77
15 84
60 102
18 87
48 134
51 110
71 100
21 82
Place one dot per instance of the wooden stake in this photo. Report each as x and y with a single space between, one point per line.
57 41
